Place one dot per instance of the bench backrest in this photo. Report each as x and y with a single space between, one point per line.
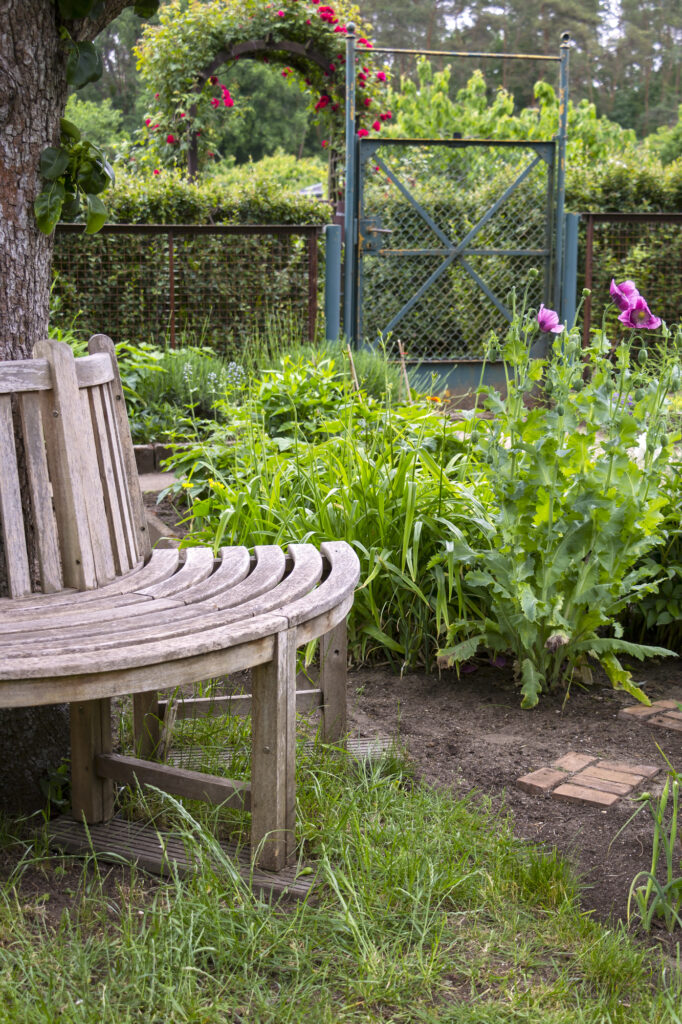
78 466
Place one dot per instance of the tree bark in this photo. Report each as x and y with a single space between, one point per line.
33 93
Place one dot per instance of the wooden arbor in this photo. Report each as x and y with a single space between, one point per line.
111 617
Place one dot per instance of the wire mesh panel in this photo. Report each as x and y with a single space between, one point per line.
218 286
447 229
644 248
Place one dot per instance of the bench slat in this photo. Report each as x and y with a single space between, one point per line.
11 514
24 375
47 542
121 548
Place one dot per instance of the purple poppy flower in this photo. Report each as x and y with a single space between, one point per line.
639 315
624 294
549 321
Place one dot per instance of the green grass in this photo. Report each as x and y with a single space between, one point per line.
429 911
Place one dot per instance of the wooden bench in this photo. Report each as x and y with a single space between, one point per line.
93 613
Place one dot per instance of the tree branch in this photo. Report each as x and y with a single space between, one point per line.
85 29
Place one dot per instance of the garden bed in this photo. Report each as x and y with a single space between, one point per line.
470 734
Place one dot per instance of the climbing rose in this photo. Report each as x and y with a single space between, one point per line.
387 116
549 321
170 139
157 171
280 14
183 115
367 101
340 28
215 102
362 133
365 42
213 79
227 99
381 76
639 315
623 294
156 95
148 121
322 102
376 125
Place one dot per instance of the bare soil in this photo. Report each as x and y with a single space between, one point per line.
470 734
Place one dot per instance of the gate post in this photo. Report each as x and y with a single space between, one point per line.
332 281
351 146
564 51
569 287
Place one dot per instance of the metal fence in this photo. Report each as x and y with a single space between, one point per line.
204 284
643 247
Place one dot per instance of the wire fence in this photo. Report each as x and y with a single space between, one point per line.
212 285
643 247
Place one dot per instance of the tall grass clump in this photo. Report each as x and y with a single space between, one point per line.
310 459
426 909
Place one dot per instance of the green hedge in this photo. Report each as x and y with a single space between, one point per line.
170 198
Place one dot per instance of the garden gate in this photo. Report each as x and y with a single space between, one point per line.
441 229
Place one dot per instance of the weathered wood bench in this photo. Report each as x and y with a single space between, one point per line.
105 616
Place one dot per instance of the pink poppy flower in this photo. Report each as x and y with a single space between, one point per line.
549 321
639 315
623 294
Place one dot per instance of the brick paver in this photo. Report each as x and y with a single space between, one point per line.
587 779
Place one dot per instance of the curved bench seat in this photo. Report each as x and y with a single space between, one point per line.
114 618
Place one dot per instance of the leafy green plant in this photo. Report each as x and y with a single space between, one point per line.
655 898
574 478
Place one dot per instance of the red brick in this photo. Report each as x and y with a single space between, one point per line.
647 770
573 762
628 778
667 722
582 795
665 705
603 785
540 781
637 711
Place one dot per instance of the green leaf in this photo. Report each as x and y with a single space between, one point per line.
96 216
53 162
71 208
92 178
70 129
70 9
383 638
48 206
461 652
529 602
531 684
621 679
84 65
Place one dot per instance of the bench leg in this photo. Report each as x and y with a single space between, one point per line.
146 728
92 798
273 756
333 676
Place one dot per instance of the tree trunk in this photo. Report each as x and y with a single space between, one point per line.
32 99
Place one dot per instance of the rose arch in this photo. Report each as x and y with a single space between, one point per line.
180 59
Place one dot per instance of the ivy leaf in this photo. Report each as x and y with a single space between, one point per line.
146 8
84 65
48 206
71 130
70 9
53 162
96 216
